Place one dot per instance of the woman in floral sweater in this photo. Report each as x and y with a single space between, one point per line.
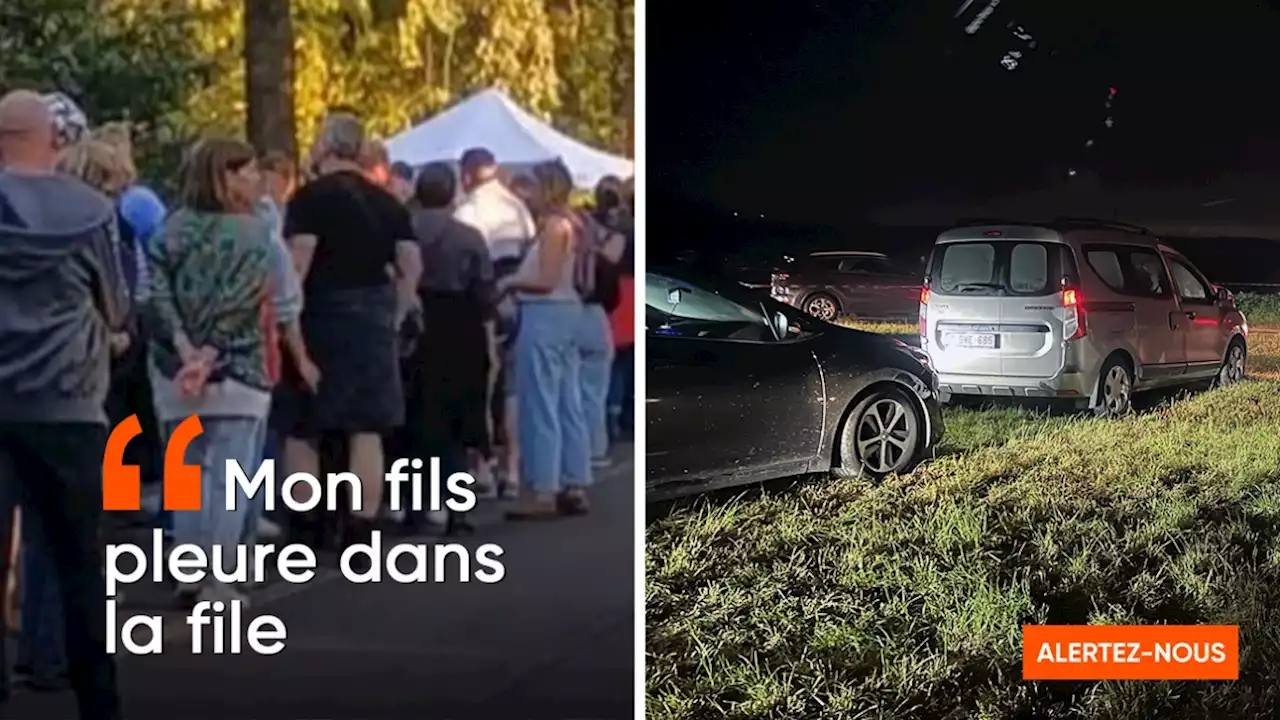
214 348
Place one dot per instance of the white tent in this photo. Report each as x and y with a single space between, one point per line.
491 120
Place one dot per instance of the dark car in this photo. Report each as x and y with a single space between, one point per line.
866 285
741 388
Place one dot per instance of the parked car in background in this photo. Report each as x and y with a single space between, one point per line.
1085 310
742 389
853 283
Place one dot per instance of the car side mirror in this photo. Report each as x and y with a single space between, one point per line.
1224 296
781 324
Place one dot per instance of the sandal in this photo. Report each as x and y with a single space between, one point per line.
573 502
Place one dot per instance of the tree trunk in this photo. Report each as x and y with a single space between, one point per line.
447 69
268 58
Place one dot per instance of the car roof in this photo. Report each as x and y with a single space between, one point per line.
1056 232
849 253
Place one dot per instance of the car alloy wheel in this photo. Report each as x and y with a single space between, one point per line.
821 307
1117 390
1232 370
881 437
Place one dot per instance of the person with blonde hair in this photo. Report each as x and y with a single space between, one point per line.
140 211
98 164
140 215
555 449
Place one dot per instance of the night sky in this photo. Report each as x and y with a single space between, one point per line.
818 110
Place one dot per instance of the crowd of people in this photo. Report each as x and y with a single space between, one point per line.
325 315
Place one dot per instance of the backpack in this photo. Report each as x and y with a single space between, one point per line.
597 278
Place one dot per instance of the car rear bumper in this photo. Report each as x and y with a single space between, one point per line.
1067 385
933 408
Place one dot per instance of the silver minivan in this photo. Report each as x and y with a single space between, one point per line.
1082 310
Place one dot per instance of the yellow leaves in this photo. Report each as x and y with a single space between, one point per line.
572 68
516 52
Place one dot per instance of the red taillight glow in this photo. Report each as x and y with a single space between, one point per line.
1074 325
924 316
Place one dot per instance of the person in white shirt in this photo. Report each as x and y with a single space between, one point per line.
508 227
488 206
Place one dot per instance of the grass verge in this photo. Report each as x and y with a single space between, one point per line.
843 599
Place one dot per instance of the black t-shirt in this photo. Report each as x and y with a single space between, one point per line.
356 224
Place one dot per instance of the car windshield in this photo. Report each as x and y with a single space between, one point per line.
680 308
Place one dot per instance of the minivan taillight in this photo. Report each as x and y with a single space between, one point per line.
778 286
1074 325
924 316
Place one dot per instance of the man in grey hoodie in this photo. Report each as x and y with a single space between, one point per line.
62 298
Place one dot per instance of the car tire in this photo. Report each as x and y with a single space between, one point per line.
1234 364
1115 389
881 436
823 306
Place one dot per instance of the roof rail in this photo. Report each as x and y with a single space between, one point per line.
969 221
1103 223
860 253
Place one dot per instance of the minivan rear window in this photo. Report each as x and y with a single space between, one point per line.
996 268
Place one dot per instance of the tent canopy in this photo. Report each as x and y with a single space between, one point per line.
491 120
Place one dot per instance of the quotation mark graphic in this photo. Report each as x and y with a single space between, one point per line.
122 484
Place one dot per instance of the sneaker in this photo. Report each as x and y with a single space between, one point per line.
602 463
438 517
573 502
268 530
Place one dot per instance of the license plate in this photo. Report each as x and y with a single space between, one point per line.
970 340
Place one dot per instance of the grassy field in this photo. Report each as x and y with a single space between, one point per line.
844 599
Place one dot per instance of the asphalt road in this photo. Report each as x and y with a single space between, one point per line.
553 640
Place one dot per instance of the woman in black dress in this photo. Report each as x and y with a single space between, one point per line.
355 252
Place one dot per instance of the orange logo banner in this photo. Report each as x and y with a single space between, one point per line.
122 484
1130 652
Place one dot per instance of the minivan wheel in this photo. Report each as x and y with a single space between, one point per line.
822 306
1115 389
880 437
1233 365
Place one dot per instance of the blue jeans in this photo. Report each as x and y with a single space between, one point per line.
555 450
223 439
595 345
268 446
41 649
622 392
